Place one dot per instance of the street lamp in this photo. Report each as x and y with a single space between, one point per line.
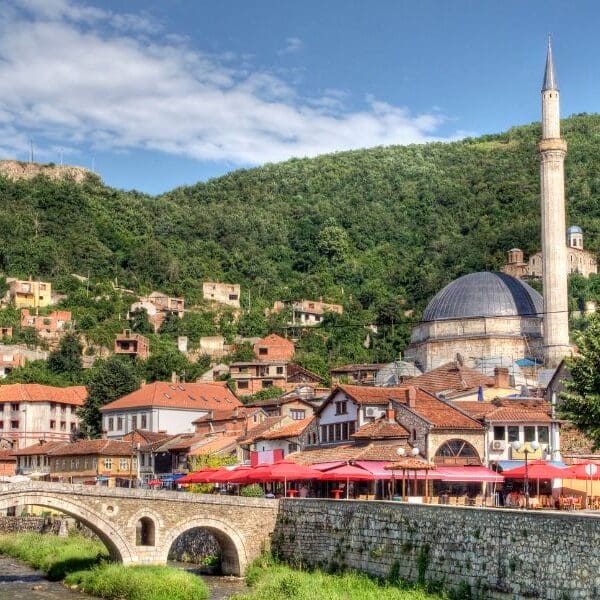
527 449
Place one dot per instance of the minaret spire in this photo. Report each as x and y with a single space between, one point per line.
552 150
550 79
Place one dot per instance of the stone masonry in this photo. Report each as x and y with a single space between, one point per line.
242 526
495 553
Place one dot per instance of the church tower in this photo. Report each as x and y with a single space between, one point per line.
552 150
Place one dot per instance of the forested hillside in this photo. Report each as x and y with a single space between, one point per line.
380 230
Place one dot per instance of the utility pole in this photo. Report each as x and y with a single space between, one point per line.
30 150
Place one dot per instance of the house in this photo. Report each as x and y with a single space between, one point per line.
30 412
293 437
214 346
233 422
29 293
6 332
51 326
168 407
298 376
132 344
33 460
17 355
106 462
307 313
255 375
355 374
223 293
290 405
507 420
158 305
442 433
248 442
274 347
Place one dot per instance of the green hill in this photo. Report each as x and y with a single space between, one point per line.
376 229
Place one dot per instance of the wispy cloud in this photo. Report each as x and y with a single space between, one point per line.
75 74
292 44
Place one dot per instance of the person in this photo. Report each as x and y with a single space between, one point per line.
303 491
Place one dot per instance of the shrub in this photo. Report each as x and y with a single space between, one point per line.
252 491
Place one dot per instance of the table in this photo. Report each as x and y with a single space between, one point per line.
337 493
292 493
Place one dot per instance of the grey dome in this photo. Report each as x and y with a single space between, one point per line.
574 229
484 294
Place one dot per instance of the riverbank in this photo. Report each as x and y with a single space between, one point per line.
270 580
84 563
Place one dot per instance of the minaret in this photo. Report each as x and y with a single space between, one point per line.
552 150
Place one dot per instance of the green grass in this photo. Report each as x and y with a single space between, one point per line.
83 562
273 581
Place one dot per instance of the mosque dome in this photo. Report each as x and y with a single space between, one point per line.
484 294
574 229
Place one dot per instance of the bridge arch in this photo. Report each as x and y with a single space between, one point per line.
234 555
106 531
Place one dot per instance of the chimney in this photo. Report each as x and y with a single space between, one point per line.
411 396
390 413
501 377
174 378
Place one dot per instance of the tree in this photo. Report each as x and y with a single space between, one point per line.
67 358
140 322
109 380
37 371
580 403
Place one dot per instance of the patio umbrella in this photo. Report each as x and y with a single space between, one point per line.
286 470
537 469
347 473
154 482
589 470
196 477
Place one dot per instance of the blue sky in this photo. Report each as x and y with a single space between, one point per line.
163 93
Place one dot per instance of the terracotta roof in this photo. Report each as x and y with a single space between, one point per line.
381 429
287 431
294 369
349 452
363 394
7 455
227 414
254 432
94 447
508 411
38 448
188 396
477 410
279 401
34 392
152 446
410 462
215 446
151 436
451 377
182 441
356 368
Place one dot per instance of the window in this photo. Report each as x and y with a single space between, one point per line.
341 407
292 448
543 435
144 423
1 407
73 426
108 463
143 460
242 385
14 406
529 433
267 383
279 370
513 434
14 424
134 422
52 424
297 414
111 423
72 463
119 423
499 433
263 351
1 424
122 464
63 425
63 409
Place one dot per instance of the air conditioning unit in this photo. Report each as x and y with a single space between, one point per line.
498 445
370 411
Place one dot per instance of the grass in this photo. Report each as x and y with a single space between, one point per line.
84 563
273 581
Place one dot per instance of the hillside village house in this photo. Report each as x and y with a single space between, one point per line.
306 313
29 293
30 412
290 404
223 293
233 422
289 438
33 460
168 407
17 355
51 326
158 306
132 344
107 462
355 374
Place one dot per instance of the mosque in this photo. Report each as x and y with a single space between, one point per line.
499 318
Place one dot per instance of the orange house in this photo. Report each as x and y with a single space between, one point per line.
274 347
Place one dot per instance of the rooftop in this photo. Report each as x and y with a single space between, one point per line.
94 447
451 377
287 431
381 429
34 392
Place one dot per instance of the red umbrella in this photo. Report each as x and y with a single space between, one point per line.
347 473
221 475
537 469
585 470
196 477
154 482
287 470
237 475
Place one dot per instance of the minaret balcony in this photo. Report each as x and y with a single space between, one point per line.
552 144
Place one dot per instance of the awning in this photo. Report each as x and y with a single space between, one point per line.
505 465
101 478
467 474
324 466
377 467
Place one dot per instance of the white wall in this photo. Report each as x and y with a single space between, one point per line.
157 419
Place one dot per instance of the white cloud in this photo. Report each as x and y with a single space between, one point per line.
74 74
292 44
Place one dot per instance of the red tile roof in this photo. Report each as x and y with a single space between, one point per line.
381 429
294 369
94 447
188 396
355 368
477 410
363 394
508 411
227 414
451 377
7 456
38 448
215 446
269 423
34 392
347 452
287 431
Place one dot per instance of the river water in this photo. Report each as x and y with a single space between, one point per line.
20 582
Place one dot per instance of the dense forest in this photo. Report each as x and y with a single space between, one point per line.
380 230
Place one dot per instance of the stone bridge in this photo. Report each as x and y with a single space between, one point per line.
140 526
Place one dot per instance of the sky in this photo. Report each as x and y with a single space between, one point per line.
154 94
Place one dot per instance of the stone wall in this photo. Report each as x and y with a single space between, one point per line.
495 553
33 524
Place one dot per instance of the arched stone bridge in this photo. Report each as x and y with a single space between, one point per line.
139 526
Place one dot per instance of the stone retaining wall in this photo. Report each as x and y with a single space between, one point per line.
33 524
491 553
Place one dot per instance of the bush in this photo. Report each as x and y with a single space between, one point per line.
252 491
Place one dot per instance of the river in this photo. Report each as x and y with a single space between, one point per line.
20 582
